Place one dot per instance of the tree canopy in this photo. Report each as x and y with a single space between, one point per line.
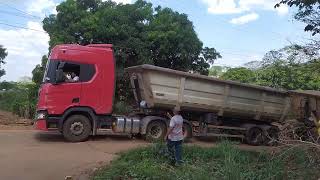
291 67
140 33
38 71
240 74
308 12
218 71
3 55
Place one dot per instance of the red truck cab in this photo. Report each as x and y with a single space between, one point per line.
87 93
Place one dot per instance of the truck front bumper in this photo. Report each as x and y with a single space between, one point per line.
41 124
44 122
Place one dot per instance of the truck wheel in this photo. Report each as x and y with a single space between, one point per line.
156 131
255 136
272 136
76 128
187 132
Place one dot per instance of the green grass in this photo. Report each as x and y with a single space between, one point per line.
222 162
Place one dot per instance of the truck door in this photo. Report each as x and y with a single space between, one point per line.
65 94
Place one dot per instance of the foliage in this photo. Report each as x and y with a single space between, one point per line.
122 108
290 76
217 71
19 98
38 71
252 65
3 54
240 74
292 67
4 85
308 12
140 34
223 162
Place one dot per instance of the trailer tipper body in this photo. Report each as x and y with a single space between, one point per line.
210 107
163 88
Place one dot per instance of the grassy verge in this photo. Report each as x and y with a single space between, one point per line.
222 162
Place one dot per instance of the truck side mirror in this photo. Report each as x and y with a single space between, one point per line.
59 76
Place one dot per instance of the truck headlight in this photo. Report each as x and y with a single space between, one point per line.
41 115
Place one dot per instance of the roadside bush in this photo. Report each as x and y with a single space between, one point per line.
222 162
20 99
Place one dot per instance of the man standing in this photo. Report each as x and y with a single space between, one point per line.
174 137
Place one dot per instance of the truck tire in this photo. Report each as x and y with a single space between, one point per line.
187 132
272 136
76 128
255 136
156 131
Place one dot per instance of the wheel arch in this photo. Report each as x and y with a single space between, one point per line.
85 111
145 121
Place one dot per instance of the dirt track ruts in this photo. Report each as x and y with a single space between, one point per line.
34 155
28 154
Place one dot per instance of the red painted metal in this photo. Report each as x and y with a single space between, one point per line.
41 124
97 93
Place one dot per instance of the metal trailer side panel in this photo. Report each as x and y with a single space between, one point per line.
303 103
165 88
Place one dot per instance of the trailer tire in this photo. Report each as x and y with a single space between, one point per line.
272 136
255 136
76 128
187 132
156 131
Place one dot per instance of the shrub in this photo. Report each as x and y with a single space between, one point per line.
222 162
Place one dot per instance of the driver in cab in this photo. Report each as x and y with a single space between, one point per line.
73 77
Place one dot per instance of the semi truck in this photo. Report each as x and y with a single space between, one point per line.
209 106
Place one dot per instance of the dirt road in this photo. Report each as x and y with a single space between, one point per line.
28 154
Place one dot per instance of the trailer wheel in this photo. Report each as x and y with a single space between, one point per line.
76 128
255 136
156 131
187 132
272 136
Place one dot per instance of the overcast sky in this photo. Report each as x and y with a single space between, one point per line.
242 30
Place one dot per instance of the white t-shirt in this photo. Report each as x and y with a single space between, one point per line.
176 123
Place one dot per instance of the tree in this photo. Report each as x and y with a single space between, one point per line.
4 85
240 74
218 71
38 71
253 65
308 12
139 33
3 55
290 68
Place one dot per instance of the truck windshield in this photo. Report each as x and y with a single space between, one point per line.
49 73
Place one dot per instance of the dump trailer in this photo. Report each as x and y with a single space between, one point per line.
213 107
83 105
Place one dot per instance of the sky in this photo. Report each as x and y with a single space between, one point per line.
241 30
